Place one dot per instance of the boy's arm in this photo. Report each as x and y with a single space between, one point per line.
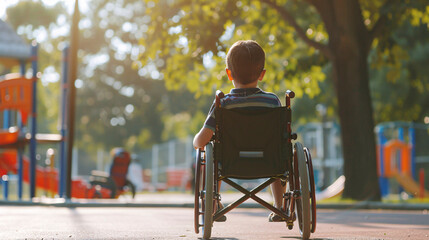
203 137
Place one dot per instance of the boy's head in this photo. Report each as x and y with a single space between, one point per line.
245 60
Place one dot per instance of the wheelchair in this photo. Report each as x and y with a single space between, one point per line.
255 144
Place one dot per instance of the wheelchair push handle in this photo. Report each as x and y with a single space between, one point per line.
219 96
289 94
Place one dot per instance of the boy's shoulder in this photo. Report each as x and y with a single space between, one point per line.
250 96
248 91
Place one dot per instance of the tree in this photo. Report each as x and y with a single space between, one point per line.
299 37
119 104
399 79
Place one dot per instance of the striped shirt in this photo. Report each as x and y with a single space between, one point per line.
243 98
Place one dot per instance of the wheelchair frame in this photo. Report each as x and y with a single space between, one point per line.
298 200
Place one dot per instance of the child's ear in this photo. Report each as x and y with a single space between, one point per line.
228 72
261 76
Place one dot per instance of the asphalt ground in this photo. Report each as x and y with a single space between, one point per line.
179 199
47 222
170 216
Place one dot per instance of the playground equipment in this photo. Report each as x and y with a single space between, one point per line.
254 144
18 105
397 156
47 178
19 93
334 190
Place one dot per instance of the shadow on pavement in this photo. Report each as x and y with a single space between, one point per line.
222 238
354 217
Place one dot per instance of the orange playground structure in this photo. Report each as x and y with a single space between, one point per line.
47 178
396 159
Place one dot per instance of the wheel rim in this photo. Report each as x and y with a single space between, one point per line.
303 203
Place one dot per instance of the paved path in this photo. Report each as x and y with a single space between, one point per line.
175 199
39 222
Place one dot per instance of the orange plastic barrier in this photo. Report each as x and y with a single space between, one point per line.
7 137
47 178
176 178
16 94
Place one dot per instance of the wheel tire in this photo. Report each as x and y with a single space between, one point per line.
199 176
208 196
312 189
303 207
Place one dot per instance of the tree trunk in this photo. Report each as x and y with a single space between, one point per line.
357 128
348 42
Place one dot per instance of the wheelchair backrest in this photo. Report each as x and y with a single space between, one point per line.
253 143
119 168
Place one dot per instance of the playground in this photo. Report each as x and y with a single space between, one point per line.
18 106
100 102
403 160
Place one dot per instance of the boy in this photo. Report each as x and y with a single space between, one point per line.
245 67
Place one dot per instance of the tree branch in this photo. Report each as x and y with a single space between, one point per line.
301 33
380 25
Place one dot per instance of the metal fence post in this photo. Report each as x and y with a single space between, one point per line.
100 156
171 154
75 161
188 151
5 183
154 166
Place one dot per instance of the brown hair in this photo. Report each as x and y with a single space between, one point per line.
246 61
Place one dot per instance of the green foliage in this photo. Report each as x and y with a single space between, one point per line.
186 33
40 15
399 76
149 69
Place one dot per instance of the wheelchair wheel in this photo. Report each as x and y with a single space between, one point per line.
208 199
302 203
199 179
204 185
312 189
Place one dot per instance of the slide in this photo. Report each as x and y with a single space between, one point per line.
46 178
333 190
409 184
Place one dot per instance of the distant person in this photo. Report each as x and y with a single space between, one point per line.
135 173
121 160
245 63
